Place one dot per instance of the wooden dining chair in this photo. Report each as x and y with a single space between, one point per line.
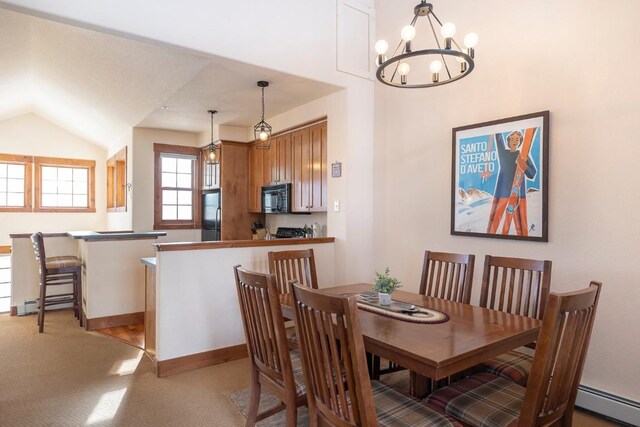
549 398
272 366
57 271
297 265
339 392
447 276
517 286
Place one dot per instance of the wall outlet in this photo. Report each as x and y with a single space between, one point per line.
336 205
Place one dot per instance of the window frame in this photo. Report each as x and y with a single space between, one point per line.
117 182
158 222
90 165
27 161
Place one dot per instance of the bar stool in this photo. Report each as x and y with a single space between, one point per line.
55 271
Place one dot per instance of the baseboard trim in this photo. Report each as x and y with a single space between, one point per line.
13 310
112 321
609 405
164 368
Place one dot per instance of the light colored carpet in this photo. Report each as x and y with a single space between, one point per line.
70 377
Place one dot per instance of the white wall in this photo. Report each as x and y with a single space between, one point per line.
195 292
30 135
142 179
574 58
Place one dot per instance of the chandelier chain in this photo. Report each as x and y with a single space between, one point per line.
262 104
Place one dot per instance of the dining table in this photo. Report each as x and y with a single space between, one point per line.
435 351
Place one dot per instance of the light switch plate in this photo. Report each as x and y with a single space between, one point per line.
336 205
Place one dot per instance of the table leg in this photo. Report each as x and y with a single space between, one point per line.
419 385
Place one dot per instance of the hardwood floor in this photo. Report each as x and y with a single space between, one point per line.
130 334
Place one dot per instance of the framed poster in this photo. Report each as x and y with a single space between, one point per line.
499 178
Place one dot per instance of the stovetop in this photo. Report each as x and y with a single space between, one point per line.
289 232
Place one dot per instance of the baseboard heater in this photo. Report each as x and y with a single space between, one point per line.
609 405
28 307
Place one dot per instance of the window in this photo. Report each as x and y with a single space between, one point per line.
5 278
64 185
15 183
117 182
176 196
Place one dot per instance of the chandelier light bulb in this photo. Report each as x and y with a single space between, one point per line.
448 30
435 66
263 135
471 40
212 155
403 70
381 47
408 33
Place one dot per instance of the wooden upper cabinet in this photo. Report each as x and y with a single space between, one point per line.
299 158
256 178
301 179
318 167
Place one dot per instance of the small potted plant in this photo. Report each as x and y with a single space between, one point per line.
384 286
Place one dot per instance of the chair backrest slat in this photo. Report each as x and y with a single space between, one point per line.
447 276
37 240
559 359
297 265
334 361
264 325
515 285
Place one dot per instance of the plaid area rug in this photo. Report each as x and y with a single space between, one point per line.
240 398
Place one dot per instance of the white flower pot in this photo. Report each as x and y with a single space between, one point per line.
385 299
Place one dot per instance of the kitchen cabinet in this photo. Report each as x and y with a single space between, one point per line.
281 159
255 177
309 183
299 158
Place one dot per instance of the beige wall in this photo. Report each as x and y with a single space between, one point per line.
574 58
30 134
142 179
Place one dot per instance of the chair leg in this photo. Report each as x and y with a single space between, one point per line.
292 412
254 402
78 282
376 368
43 294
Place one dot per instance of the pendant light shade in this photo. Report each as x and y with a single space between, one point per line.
262 130
211 154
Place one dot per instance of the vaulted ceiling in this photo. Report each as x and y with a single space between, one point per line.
99 85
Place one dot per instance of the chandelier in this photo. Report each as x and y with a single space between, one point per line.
428 62
262 130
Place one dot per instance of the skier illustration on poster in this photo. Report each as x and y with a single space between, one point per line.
510 195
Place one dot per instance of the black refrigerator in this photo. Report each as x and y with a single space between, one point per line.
211 215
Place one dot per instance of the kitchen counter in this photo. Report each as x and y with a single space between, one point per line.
186 246
102 236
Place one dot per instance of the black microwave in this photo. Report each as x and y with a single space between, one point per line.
276 199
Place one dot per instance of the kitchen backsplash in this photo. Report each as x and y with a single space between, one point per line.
298 221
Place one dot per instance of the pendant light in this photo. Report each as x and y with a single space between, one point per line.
262 130
211 153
